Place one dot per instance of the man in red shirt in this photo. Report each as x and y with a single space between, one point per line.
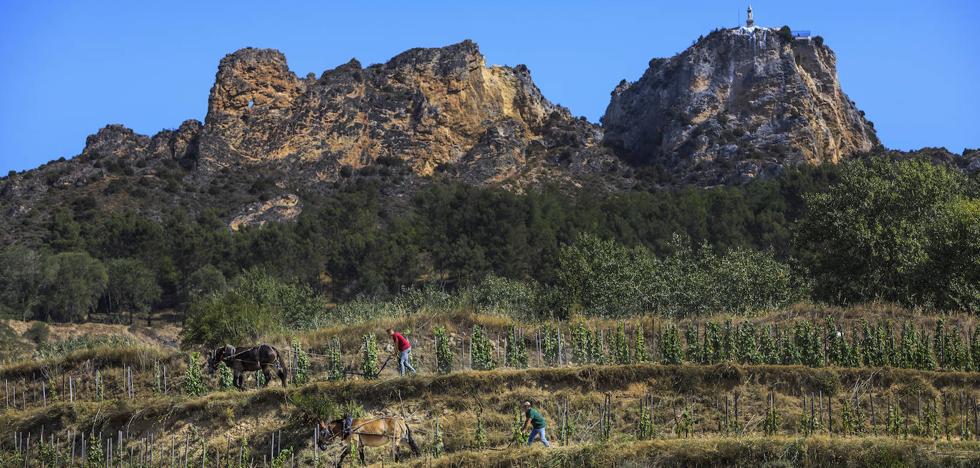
404 349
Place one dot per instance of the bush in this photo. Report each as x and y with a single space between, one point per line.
511 297
444 351
256 304
297 306
72 284
310 409
606 278
132 286
20 279
887 231
193 379
205 281
228 318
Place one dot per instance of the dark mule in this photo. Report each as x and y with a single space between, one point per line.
249 359
368 432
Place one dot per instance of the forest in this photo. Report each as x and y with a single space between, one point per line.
905 232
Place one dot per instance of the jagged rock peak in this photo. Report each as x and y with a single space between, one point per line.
427 106
738 103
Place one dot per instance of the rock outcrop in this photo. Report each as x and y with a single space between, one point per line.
737 103
431 108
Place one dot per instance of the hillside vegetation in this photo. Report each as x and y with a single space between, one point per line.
628 391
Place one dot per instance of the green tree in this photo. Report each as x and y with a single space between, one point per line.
604 277
132 286
20 278
71 286
953 270
227 318
870 236
204 281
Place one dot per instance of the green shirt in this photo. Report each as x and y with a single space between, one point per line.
537 421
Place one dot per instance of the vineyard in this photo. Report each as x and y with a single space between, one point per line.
778 386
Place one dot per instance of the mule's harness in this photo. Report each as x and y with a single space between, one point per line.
234 357
354 430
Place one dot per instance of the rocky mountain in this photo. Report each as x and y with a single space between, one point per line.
738 103
431 108
269 134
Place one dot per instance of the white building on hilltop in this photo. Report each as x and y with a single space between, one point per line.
749 22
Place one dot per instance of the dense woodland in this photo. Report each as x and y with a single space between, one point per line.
906 232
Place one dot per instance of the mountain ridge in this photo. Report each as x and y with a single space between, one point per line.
737 105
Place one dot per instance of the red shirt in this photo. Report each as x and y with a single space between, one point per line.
400 341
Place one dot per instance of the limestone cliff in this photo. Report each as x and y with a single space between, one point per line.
430 108
737 103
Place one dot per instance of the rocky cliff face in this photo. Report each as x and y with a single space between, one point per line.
431 108
738 103
269 137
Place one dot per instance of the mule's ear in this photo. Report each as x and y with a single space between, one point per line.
321 424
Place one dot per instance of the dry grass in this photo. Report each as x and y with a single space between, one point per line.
730 451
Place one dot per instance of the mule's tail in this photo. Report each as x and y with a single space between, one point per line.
411 441
282 370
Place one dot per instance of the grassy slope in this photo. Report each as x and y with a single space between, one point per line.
223 419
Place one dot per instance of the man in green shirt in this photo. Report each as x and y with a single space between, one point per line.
534 419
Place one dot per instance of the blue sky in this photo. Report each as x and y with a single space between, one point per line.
69 68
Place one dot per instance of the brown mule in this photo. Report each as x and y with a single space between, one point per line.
368 432
264 357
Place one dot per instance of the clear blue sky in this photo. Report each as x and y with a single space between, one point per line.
67 68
